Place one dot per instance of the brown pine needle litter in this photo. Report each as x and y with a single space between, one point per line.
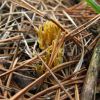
46 48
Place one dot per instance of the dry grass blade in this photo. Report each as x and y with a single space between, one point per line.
57 97
15 38
76 92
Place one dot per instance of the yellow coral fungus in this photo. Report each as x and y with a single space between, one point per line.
48 34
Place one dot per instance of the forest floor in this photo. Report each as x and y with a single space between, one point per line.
49 50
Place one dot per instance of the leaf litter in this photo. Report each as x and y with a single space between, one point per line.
45 48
